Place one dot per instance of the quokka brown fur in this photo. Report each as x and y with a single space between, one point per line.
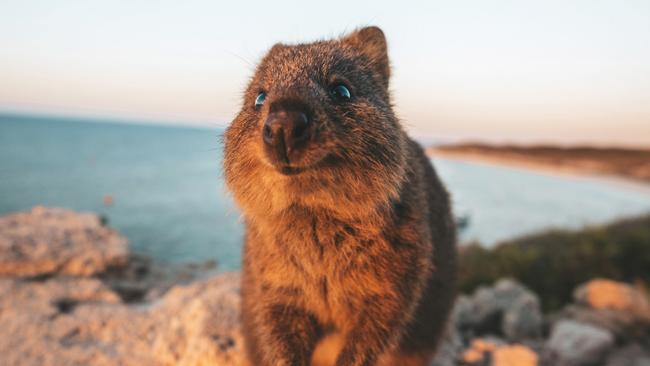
349 254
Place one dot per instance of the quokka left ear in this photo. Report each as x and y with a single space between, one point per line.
372 42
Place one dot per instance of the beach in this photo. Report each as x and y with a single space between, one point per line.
626 164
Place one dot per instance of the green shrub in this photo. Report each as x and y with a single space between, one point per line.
553 263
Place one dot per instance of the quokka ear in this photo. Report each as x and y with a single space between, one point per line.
276 47
372 43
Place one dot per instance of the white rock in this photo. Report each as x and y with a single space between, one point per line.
48 241
576 344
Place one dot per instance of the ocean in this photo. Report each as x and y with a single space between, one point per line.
169 200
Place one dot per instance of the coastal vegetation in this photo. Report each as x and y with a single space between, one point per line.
554 262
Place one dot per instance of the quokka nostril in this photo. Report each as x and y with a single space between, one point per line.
267 132
299 131
301 126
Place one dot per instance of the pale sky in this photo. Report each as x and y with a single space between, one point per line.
507 71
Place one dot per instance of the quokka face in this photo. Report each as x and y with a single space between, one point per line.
316 128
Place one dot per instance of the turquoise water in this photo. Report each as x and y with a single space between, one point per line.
169 198
504 202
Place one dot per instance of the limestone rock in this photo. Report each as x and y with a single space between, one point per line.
601 294
49 241
576 344
494 352
514 355
507 308
617 307
631 355
523 318
79 321
449 348
478 352
199 324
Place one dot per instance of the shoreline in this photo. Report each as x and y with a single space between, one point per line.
531 165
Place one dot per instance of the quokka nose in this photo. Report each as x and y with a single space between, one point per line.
284 130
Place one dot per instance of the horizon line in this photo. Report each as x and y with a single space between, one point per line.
110 118
426 140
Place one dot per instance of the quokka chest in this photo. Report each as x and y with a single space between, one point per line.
332 266
331 248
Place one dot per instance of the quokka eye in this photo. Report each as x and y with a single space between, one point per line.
340 92
259 101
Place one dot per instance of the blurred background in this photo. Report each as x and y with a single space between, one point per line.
536 115
118 108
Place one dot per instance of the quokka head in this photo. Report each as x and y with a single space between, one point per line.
317 129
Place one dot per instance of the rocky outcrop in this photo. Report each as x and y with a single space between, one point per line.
619 308
608 324
493 326
507 309
103 306
576 344
602 294
48 241
68 291
503 325
199 324
630 355
79 321
495 352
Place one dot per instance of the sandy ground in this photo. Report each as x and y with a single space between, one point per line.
522 162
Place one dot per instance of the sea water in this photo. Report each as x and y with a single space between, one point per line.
168 196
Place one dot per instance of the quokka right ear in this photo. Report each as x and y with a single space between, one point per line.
276 47
372 42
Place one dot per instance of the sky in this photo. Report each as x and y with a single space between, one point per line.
564 72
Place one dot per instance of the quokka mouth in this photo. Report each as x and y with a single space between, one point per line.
287 169
290 170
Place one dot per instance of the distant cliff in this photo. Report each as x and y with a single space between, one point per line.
620 162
